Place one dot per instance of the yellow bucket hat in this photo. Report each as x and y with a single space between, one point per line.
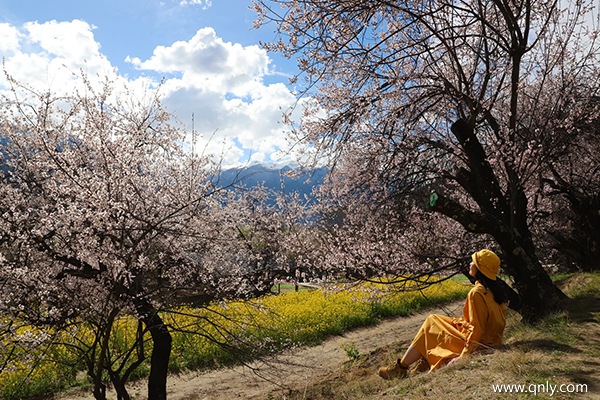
487 262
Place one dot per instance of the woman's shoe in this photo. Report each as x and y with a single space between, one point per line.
396 370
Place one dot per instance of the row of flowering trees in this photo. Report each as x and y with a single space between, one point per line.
484 112
447 126
103 213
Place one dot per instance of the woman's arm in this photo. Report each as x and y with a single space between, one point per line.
476 313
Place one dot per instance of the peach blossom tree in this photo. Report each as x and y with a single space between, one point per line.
105 213
441 105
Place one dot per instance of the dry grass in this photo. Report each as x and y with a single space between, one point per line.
562 349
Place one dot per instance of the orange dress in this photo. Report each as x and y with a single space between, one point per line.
442 338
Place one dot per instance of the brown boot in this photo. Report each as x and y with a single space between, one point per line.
396 370
420 366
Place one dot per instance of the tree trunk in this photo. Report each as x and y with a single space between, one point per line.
582 244
161 351
99 390
538 294
504 217
119 386
96 369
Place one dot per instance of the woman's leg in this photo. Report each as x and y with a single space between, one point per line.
400 367
411 356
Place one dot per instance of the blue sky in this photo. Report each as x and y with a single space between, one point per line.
207 52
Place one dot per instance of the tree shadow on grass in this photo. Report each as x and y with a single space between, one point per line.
544 345
574 341
579 370
584 312
584 308
585 374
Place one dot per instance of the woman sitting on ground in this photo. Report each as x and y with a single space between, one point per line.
444 340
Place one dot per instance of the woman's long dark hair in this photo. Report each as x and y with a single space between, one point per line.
495 286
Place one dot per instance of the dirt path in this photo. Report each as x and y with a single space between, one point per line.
298 369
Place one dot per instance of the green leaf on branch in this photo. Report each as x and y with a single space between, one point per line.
433 198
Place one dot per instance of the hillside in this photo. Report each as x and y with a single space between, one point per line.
563 349
286 178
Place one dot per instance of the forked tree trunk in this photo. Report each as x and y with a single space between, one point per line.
538 295
121 390
504 217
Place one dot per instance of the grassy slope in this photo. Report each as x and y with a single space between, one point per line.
562 349
273 322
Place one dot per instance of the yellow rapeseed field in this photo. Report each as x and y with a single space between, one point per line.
221 334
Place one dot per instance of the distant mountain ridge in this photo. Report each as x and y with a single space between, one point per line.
286 178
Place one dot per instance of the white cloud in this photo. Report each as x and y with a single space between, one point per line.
236 114
222 85
10 38
206 61
203 3
48 55
68 40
